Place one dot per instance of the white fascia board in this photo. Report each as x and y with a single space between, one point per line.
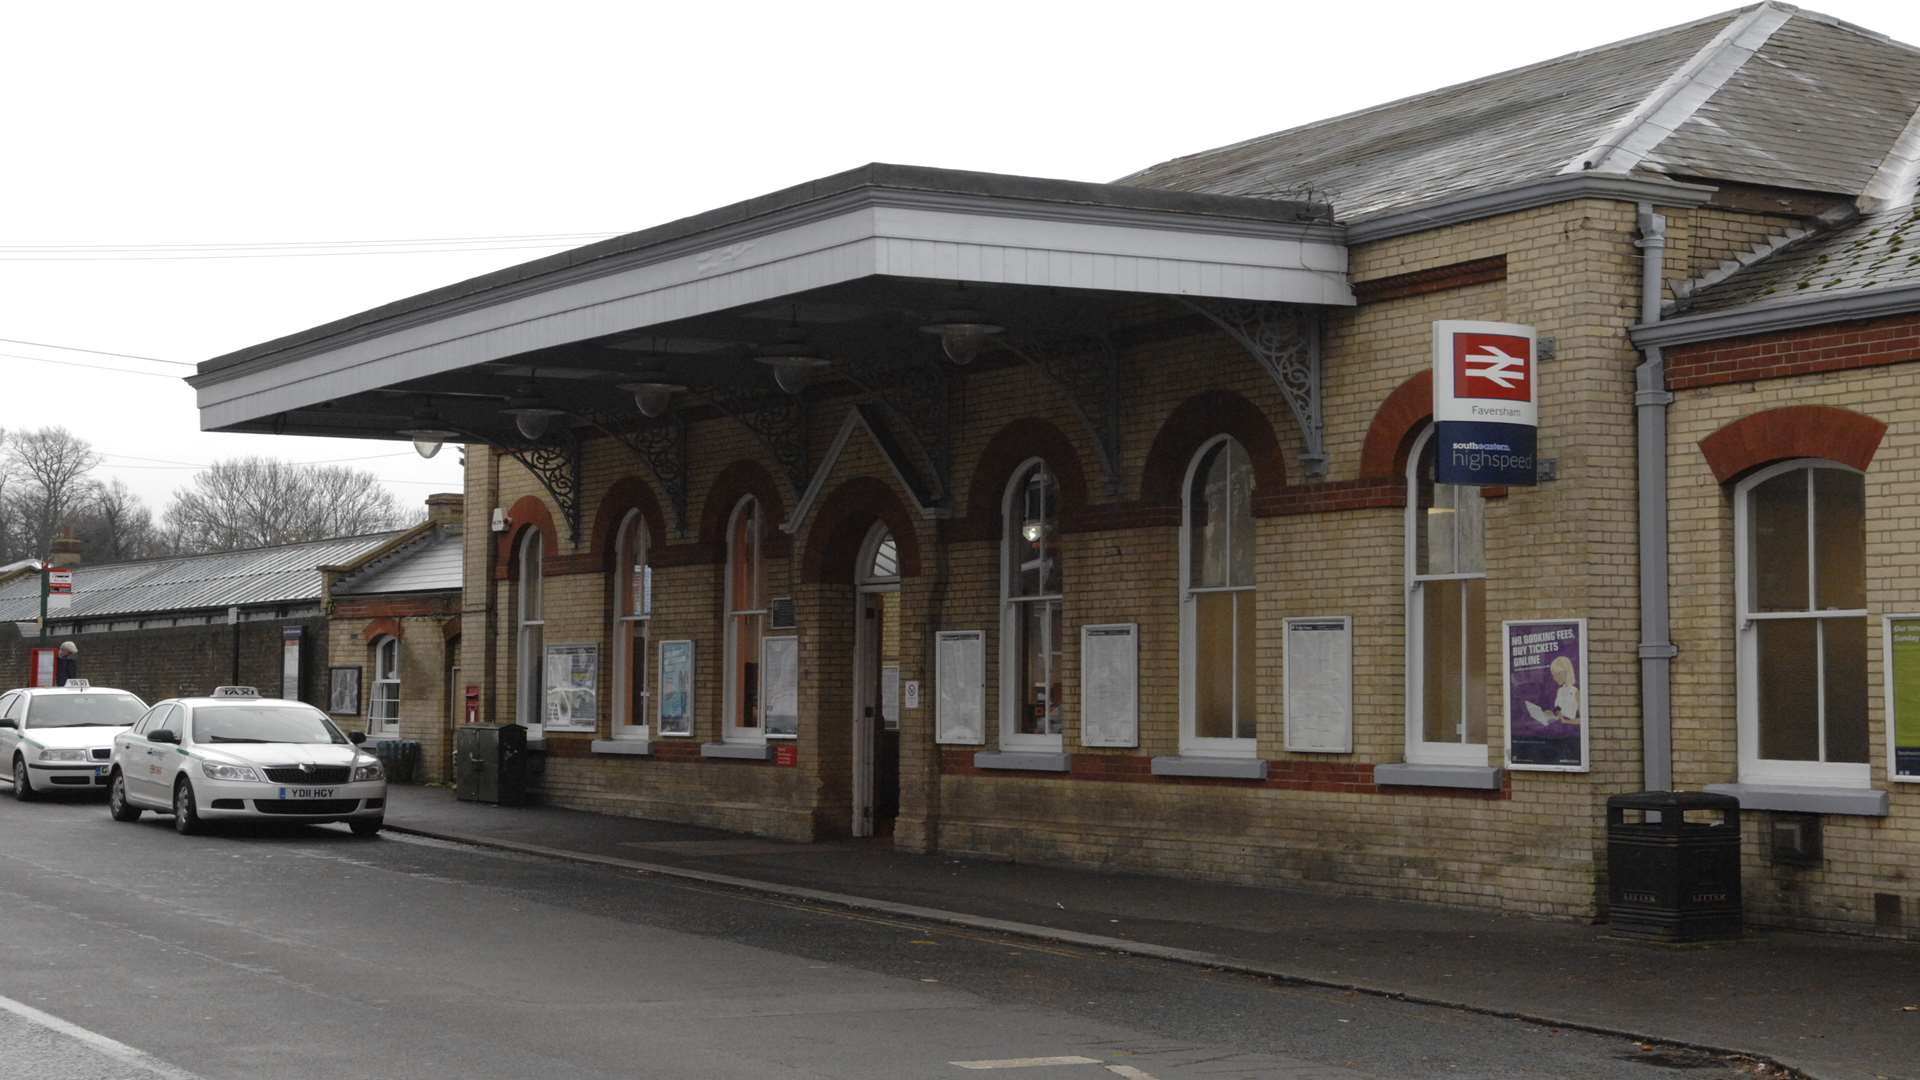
943 237
1528 196
1775 317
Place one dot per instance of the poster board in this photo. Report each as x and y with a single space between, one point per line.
1900 654
1318 673
676 688
290 637
890 697
1110 684
572 700
780 685
960 687
343 691
1545 661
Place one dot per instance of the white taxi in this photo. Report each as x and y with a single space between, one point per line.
237 755
60 738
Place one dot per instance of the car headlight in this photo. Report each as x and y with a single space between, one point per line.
63 755
213 770
370 771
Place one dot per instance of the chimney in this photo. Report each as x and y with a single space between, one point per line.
66 550
447 510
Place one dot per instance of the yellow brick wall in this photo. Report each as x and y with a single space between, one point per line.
1863 856
1560 550
424 706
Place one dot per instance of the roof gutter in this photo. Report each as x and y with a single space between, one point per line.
1528 196
1770 318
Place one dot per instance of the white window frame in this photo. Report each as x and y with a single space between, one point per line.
1190 743
530 636
1755 769
730 703
386 672
630 550
1419 750
1012 608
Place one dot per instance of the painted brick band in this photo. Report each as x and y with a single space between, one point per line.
1834 347
1433 280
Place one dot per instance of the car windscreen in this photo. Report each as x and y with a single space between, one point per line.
262 724
84 710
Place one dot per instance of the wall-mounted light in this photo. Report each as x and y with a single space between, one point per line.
963 332
653 399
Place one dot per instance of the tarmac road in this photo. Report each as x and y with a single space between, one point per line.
306 954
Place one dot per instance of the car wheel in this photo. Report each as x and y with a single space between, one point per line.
22 786
367 828
117 803
186 816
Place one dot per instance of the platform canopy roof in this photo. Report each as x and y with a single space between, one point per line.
851 265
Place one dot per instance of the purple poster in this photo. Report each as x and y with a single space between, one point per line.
1547 694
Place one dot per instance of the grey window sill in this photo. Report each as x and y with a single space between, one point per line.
1220 768
1857 802
737 751
1027 761
1466 777
632 747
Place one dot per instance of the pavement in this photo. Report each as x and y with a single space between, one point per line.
1828 1006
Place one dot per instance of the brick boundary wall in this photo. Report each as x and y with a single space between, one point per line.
175 661
1805 351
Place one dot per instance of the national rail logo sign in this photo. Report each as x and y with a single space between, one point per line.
1485 412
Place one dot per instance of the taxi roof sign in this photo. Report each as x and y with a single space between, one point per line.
79 684
236 691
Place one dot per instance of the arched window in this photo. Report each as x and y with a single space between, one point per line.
1218 689
383 714
1031 627
1446 558
1801 605
745 624
531 639
632 609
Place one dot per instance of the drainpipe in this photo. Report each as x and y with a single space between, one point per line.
1650 400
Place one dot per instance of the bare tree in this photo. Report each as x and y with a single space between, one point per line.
116 526
260 502
49 470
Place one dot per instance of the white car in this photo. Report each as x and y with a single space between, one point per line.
237 755
53 738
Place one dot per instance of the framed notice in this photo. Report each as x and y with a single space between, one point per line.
676 688
1546 697
573 687
343 691
1318 673
1900 653
1110 684
890 697
780 685
290 637
960 687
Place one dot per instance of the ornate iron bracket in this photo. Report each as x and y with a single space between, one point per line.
1088 370
1285 340
778 420
916 393
556 464
663 447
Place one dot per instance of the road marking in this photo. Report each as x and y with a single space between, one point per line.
113 1048
1024 1063
1128 1071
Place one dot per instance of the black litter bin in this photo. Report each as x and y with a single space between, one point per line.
490 763
1670 878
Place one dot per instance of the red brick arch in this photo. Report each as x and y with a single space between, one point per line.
840 527
625 494
1020 441
1792 431
380 628
1190 425
1395 427
737 481
528 512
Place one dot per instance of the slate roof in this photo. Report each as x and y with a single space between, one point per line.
274 575
1815 107
431 563
1878 251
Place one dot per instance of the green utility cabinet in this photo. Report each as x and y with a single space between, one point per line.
490 763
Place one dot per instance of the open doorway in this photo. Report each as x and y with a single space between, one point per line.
876 686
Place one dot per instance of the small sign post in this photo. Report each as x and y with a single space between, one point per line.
1485 408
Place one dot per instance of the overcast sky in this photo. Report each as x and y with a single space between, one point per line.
135 129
